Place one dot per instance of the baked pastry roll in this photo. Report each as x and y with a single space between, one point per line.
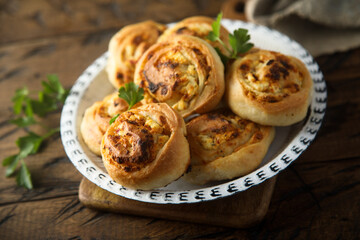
224 146
146 148
197 26
127 46
269 88
184 72
96 120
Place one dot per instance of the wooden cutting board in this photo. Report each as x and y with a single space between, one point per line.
241 210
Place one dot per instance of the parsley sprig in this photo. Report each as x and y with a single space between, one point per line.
113 118
132 94
239 41
27 111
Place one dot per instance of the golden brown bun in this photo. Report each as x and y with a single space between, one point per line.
183 71
197 26
96 120
269 88
127 46
224 146
146 148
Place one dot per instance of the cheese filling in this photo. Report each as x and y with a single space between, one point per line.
179 78
269 77
220 135
136 140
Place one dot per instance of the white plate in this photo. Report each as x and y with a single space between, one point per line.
289 142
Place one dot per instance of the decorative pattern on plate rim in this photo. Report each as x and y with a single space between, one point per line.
292 151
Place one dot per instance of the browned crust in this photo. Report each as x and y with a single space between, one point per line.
197 26
96 120
139 37
248 146
161 78
269 109
171 161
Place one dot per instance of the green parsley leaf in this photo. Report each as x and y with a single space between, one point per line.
23 121
113 119
49 100
8 160
24 177
28 108
18 99
131 93
242 37
212 36
216 25
29 144
46 105
239 41
233 43
54 88
50 133
11 165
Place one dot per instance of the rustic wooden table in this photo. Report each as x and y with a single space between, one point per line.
317 197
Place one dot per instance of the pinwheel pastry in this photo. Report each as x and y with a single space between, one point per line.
146 147
127 46
184 72
96 120
269 88
197 26
224 146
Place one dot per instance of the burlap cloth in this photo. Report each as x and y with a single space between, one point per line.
321 26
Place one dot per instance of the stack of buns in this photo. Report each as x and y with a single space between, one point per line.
230 112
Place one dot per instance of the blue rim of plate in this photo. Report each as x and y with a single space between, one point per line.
291 152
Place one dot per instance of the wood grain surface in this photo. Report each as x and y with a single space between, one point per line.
317 197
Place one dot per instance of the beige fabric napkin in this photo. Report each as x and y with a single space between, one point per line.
321 26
